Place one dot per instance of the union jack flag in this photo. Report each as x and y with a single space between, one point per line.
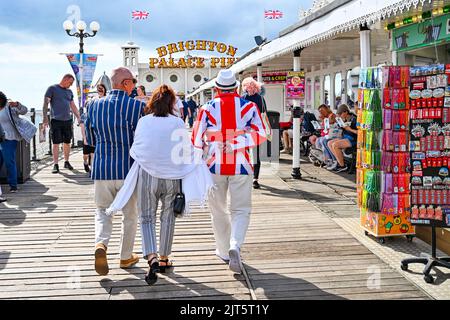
140 15
273 14
228 119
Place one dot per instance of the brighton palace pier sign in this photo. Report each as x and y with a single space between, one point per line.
165 59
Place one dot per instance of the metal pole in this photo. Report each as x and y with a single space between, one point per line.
50 150
366 54
296 174
33 120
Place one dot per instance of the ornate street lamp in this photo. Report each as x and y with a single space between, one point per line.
81 34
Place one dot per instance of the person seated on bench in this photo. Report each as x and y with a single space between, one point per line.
330 131
288 136
348 140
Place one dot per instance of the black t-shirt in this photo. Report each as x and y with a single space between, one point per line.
353 126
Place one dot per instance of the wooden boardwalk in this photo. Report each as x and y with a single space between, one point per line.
293 251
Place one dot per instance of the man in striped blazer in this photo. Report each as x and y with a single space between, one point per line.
110 125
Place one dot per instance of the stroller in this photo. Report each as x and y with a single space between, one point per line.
307 130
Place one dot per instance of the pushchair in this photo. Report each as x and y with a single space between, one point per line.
307 130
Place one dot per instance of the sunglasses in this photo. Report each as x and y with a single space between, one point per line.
133 80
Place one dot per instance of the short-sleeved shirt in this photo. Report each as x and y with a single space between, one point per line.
60 99
348 134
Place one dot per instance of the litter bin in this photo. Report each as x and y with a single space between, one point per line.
274 120
23 163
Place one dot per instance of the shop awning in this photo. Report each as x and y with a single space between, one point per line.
346 17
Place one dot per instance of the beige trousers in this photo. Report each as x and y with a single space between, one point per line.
105 192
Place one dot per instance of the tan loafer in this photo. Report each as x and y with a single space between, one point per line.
130 262
101 261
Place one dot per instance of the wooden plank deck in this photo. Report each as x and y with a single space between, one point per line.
293 251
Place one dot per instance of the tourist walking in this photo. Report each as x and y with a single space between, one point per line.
14 129
226 129
193 111
60 98
157 174
141 94
88 151
110 126
252 92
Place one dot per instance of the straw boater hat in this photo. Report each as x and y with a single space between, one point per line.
226 80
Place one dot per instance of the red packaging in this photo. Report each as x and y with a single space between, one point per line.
430 212
438 197
432 113
422 212
413 103
414 196
425 114
415 212
433 196
445 161
430 102
427 197
441 102
424 164
441 143
434 163
434 102
438 113
429 162
423 144
445 115
420 194
438 214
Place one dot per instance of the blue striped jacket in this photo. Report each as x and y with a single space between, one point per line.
110 125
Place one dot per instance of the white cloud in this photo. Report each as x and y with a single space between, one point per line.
33 64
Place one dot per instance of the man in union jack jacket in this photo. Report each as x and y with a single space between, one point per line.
227 127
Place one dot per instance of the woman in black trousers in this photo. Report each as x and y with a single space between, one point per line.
252 92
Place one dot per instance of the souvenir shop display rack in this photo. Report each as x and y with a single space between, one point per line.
382 157
430 157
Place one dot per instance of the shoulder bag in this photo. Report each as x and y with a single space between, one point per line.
180 202
265 120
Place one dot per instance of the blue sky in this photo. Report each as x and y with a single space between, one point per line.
31 34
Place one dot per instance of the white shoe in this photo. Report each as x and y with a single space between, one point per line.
332 166
235 261
226 259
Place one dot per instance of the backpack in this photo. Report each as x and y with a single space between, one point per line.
306 124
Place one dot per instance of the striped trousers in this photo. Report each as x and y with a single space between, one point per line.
150 191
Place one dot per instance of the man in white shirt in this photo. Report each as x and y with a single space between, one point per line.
178 110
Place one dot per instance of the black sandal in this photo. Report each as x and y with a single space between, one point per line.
152 276
167 265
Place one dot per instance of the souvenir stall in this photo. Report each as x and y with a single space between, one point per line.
382 157
430 156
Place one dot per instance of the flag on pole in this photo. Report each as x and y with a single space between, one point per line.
140 15
273 14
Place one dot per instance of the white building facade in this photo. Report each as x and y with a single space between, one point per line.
182 80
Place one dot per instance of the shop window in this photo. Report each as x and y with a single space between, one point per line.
327 88
197 78
174 78
338 89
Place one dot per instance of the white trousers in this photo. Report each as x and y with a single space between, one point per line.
105 192
230 228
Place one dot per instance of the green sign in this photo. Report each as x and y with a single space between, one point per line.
425 33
